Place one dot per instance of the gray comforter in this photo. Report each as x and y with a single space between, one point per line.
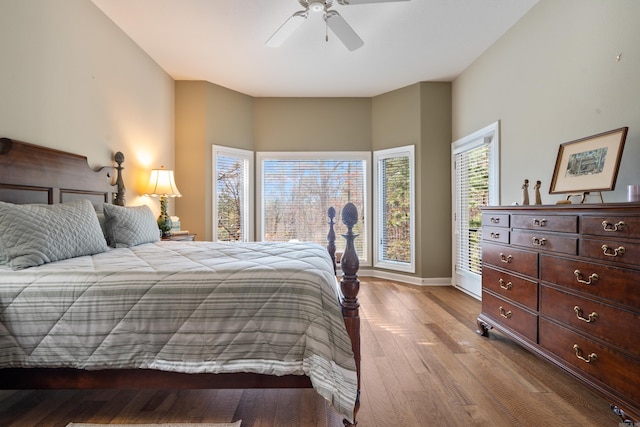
269 308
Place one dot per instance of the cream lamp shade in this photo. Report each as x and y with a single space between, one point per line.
162 184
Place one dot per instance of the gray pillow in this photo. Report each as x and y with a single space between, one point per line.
103 224
130 226
32 235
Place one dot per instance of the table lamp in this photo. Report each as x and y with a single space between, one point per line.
163 185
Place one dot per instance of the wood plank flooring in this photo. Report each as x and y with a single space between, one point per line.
423 365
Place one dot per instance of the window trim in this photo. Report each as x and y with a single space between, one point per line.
261 156
247 156
378 155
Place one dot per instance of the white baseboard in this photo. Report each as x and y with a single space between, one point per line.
418 281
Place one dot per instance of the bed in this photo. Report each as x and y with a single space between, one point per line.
144 313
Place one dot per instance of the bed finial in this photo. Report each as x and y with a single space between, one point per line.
119 199
331 237
5 145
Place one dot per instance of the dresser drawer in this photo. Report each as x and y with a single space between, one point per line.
542 222
618 327
619 251
507 257
561 243
511 316
491 219
612 368
611 226
512 287
616 284
495 234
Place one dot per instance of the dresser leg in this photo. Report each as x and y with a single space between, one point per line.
483 328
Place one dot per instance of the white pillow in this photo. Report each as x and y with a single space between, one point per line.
130 226
32 235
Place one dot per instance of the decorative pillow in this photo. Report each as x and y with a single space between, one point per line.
130 226
32 235
103 224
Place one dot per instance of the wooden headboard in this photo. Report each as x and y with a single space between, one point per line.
33 174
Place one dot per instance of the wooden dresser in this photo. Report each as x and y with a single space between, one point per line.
564 282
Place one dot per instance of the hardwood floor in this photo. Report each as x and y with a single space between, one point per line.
423 365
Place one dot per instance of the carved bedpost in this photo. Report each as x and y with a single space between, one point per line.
331 237
350 286
119 199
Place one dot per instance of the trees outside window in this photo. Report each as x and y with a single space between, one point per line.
233 195
296 189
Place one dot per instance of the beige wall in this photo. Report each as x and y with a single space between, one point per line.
71 80
554 78
418 115
312 124
434 192
206 114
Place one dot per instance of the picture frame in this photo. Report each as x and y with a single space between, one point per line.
589 164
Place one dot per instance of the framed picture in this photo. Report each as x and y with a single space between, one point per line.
589 164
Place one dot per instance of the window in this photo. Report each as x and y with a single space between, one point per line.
296 189
232 194
395 209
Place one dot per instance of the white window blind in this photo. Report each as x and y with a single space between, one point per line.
233 175
472 178
298 188
395 206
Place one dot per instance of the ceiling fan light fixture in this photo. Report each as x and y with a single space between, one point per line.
317 6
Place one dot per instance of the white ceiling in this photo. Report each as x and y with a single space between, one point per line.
223 42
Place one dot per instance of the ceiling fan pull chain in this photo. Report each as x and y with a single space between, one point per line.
326 31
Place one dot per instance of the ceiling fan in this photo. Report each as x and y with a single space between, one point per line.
332 18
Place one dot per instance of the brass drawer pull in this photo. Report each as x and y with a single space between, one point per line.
505 285
590 358
538 241
592 279
495 220
495 235
618 251
592 317
618 226
505 259
539 222
505 314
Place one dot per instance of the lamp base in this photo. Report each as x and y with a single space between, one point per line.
164 224
164 220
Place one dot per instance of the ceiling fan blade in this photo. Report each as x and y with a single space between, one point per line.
288 28
351 2
342 30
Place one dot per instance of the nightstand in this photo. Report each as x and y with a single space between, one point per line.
181 237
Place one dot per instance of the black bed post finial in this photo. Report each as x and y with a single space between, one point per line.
5 145
350 262
350 286
119 199
331 237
